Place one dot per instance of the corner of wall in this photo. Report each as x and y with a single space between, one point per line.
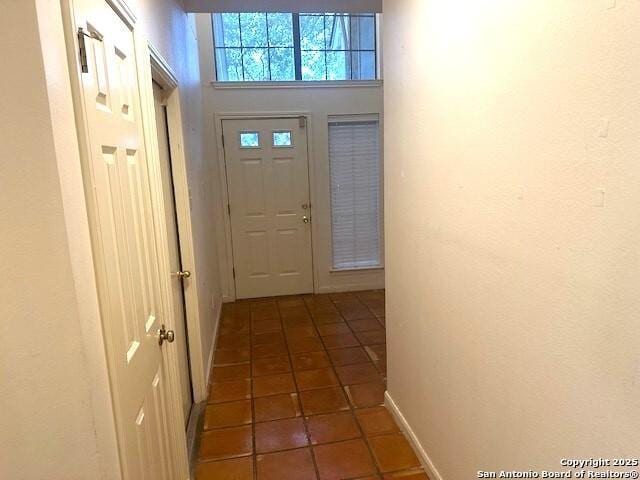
423 456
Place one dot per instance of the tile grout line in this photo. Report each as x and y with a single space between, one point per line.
335 372
351 406
298 396
325 350
254 455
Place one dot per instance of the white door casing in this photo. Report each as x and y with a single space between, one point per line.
174 253
123 211
270 209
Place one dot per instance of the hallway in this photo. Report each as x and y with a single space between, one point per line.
186 183
297 393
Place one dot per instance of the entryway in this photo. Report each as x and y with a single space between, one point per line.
269 205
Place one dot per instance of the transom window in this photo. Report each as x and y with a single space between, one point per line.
255 47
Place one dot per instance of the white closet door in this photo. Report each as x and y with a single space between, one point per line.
123 231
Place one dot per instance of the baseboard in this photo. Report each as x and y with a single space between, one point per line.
209 366
352 287
193 441
426 462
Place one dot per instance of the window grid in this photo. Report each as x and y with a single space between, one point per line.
351 51
298 51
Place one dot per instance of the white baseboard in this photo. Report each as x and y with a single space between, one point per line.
426 462
352 287
209 366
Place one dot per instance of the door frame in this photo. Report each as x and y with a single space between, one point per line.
163 74
177 435
219 118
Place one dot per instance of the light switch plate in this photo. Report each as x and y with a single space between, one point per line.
603 131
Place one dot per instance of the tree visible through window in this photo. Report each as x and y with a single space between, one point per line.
290 46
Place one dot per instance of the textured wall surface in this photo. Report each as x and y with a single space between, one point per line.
512 162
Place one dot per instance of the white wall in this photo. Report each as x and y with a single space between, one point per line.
173 33
52 376
512 283
320 102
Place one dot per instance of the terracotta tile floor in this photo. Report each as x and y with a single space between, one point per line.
297 391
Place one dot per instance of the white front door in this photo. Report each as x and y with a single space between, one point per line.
118 187
270 209
177 275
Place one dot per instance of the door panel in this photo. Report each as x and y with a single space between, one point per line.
121 212
268 189
174 254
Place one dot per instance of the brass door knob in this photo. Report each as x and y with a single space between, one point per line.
166 335
184 274
306 219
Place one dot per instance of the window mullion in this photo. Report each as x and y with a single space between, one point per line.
241 46
268 45
297 50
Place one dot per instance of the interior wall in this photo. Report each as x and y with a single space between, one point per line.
512 183
173 33
52 370
320 102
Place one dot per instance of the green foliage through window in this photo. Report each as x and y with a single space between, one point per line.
290 46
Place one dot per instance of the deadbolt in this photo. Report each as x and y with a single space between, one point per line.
305 206
166 335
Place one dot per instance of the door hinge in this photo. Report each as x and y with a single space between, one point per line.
223 141
234 272
82 47
229 208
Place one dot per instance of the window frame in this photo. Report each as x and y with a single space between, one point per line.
297 55
250 147
273 143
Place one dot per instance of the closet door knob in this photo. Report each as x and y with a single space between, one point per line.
165 335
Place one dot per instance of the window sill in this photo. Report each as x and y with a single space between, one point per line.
298 84
356 269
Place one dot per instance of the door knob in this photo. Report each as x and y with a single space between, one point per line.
166 335
184 274
306 219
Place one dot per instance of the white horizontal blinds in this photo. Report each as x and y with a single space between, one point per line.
354 158
295 6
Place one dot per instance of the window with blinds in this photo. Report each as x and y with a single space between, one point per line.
354 158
